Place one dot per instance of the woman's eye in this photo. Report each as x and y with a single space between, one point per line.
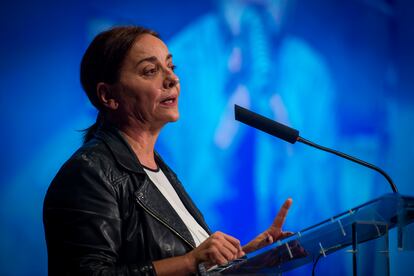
150 71
173 67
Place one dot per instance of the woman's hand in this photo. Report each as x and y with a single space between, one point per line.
218 249
273 233
221 248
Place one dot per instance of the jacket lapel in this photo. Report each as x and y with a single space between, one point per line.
185 198
151 199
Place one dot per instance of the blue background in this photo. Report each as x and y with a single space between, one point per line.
339 71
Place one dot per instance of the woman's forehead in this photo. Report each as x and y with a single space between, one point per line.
149 46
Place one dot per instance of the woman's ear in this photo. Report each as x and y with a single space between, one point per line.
106 96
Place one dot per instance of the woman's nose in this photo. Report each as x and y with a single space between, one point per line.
170 81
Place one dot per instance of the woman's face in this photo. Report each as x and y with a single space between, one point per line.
148 88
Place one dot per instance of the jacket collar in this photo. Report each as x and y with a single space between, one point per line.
119 147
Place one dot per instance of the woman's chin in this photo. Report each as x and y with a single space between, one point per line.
175 118
171 118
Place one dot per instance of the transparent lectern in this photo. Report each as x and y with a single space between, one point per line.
368 223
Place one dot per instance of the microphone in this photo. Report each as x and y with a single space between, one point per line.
265 124
292 135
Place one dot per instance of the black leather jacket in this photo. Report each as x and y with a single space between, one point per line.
103 215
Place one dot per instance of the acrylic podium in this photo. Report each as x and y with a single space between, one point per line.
362 231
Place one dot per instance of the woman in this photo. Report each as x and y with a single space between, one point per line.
115 208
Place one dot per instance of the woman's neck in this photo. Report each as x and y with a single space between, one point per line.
142 143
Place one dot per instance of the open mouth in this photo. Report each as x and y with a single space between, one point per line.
169 101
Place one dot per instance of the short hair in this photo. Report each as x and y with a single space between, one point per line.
102 62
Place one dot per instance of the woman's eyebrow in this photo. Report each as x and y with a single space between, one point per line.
152 59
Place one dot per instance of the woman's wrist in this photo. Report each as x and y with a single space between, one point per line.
191 262
181 265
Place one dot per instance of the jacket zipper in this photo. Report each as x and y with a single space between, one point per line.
165 224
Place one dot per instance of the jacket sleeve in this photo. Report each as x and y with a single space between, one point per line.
83 224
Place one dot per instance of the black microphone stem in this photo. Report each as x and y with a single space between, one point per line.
351 158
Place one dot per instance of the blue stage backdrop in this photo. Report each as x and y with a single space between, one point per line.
338 71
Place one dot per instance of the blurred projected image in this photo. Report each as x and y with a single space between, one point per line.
241 55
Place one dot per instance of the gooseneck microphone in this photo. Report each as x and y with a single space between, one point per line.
265 124
292 135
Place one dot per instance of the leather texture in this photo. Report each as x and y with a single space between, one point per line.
103 215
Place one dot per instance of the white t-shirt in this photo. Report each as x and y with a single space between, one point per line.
164 186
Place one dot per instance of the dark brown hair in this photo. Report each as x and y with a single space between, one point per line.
102 62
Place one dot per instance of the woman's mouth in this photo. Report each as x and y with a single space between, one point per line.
170 101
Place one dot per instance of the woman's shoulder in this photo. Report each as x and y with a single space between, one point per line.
93 155
89 172
92 161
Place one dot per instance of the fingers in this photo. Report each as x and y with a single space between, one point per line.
223 249
229 251
281 216
287 234
234 242
269 239
219 256
219 248
274 232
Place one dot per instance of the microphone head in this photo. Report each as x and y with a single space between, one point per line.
265 124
